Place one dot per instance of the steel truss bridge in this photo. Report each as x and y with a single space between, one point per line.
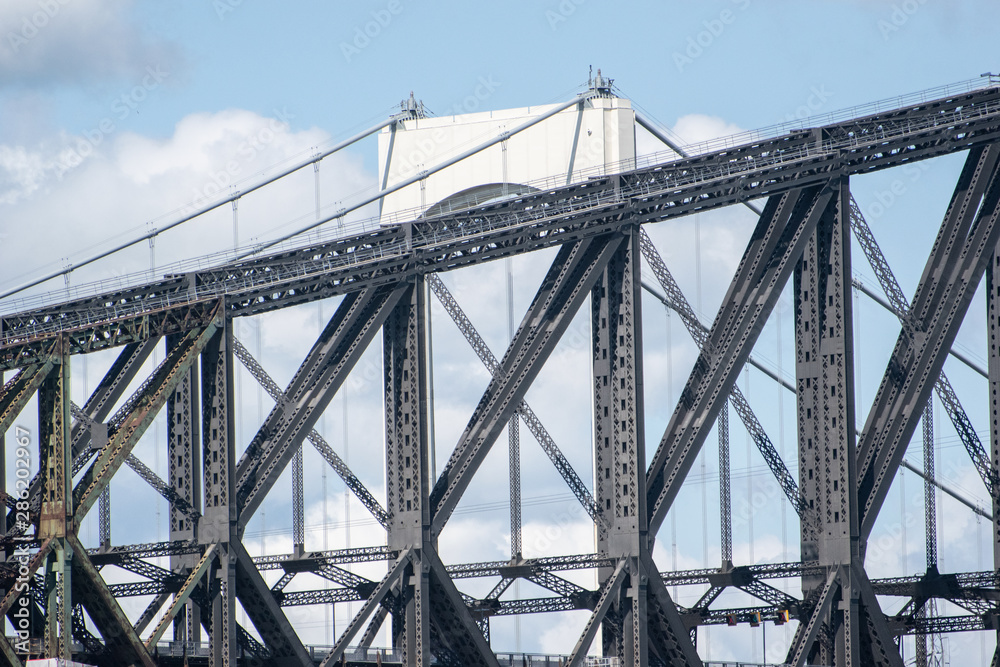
385 276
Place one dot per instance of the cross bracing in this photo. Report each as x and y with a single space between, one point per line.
845 463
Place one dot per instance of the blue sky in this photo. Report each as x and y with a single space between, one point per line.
115 115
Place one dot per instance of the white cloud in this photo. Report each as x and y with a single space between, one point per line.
561 637
85 195
74 41
695 128
689 129
21 173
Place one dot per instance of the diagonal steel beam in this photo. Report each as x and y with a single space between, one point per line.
138 418
20 389
784 228
82 634
993 338
250 646
182 596
557 584
111 388
123 644
90 434
565 287
285 647
14 396
179 503
670 637
706 600
609 594
699 332
371 632
17 590
148 614
881 638
347 335
175 499
806 633
771 595
954 268
322 446
463 636
346 579
942 387
500 588
534 424
146 570
374 600
285 579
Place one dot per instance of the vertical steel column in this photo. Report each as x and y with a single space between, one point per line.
824 351
514 459
298 503
725 490
930 521
993 336
184 477
218 523
104 517
56 520
407 455
619 442
514 425
930 504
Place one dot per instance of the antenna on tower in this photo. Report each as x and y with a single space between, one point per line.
600 85
411 105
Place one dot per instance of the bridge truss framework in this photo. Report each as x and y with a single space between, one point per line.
803 235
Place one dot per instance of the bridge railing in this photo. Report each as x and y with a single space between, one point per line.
841 115
659 180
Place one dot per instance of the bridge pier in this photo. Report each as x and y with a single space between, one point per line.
218 522
619 456
56 518
184 474
642 621
824 354
407 468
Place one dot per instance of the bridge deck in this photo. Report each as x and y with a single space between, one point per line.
480 233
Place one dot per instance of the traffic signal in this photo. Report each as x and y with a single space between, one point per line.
731 619
755 619
782 617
